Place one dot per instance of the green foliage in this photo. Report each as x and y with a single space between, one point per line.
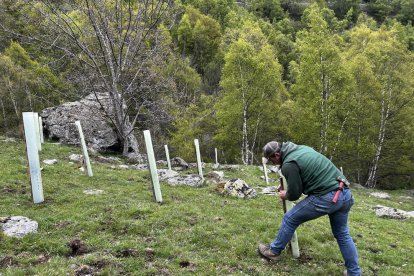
198 36
321 84
270 10
344 8
217 9
195 121
252 89
25 85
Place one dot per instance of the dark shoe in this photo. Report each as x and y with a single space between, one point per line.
265 252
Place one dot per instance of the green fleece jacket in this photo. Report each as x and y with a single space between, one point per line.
307 171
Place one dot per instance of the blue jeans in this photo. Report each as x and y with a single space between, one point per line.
313 207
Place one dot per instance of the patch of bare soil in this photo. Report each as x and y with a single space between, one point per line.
78 247
188 265
127 253
61 224
149 254
7 261
303 258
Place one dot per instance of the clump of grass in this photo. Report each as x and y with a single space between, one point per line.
194 231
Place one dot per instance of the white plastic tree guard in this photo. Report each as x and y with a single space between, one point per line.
153 167
197 148
215 152
167 155
84 149
42 139
294 241
37 129
33 156
264 162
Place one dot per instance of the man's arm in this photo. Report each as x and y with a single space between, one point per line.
290 171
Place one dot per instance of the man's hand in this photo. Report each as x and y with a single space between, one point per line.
282 194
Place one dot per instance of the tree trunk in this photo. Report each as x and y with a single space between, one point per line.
373 170
3 113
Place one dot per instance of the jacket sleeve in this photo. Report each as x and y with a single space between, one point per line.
291 172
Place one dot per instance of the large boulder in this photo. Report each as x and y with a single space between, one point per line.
97 127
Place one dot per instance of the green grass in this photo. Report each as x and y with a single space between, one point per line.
194 231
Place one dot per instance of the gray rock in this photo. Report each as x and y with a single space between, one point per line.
123 167
50 161
164 174
140 167
380 195
162 163
193 180
97 127
383 211
238 188
270 190
178 161
218 175
230 167
76 157
93 192
108 160
134 157
18 226
195 165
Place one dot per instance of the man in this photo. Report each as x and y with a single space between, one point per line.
311 173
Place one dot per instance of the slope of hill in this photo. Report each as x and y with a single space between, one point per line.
194 231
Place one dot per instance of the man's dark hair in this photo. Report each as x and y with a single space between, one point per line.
271 148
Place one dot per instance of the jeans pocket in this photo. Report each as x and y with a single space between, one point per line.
324 202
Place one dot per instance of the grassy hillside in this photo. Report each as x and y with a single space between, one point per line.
195 231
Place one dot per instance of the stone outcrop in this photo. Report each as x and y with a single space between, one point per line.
178 161
18 226
238 188
380 195
164 174
193 180
59 123
388 212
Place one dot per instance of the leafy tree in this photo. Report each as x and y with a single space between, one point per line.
343 7
252 90
406 11
217 9
198 36
120 48
321 84
270 10
196 121
25 85
392 87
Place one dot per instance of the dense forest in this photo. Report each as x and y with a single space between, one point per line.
334 75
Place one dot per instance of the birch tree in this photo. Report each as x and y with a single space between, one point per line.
392 69
251 91
321 83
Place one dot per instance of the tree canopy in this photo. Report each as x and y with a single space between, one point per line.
334 75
